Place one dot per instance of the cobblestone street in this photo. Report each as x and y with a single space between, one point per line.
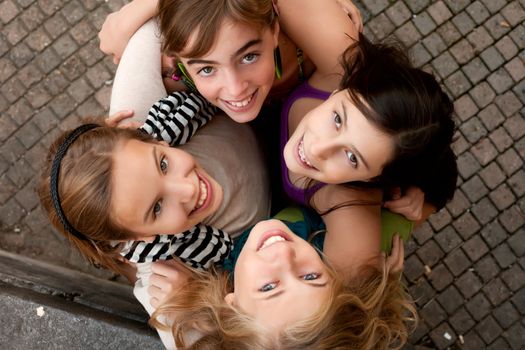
465 266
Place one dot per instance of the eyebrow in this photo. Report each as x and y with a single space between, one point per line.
354 149
316 285
147 214
237 53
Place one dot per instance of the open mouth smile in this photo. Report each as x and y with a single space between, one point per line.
301 156
205 194
242 105
271 237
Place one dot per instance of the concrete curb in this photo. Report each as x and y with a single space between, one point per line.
43 306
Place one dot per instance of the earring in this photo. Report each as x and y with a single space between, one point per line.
185 77
278 63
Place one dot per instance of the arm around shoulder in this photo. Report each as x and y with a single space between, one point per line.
353 229
306 23
120 25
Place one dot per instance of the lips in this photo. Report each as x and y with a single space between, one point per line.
301 156
272 237
241 105
205 194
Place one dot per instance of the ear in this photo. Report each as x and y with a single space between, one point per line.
164 143
229 298
276 30
334 92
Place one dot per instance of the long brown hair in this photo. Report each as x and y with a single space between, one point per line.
370 312
84 187
181 19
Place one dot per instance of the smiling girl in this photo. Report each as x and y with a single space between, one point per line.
389 124
285 295
116 185
233 51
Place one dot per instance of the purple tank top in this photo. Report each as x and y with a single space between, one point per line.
298 195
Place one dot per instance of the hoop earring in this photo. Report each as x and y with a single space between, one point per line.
278 63
186 78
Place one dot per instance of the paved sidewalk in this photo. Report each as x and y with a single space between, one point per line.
465 265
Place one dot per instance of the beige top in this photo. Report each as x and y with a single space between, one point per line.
229 152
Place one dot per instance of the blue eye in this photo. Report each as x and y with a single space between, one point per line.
337 120
311 276
249 58
157 209
268 287
164 164
206 71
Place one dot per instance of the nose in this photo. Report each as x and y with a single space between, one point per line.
322 148
183 189
281 255
235 84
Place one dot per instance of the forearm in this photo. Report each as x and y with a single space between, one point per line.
138 12
306 23
353 230
138 80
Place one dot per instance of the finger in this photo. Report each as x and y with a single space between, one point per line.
119 116
164 268
155 280
134 124
401 258
397 254
154 302
156 292
408 212
394 253
398 203
396 193
166 283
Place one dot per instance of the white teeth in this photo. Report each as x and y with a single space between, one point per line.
204 194
272 240
242 103
302 155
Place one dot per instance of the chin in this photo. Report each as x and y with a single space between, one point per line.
244 118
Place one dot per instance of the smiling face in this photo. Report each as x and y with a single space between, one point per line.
335 143
279 277
157 189
237 73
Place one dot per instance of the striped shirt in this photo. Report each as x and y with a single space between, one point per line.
177 117
199 247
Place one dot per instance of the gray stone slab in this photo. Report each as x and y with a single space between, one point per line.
42 277
31 320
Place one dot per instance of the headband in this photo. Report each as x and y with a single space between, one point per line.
55 170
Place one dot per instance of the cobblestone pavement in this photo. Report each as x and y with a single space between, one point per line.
465 266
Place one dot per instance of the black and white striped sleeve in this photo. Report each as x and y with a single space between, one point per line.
177 117
199 247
